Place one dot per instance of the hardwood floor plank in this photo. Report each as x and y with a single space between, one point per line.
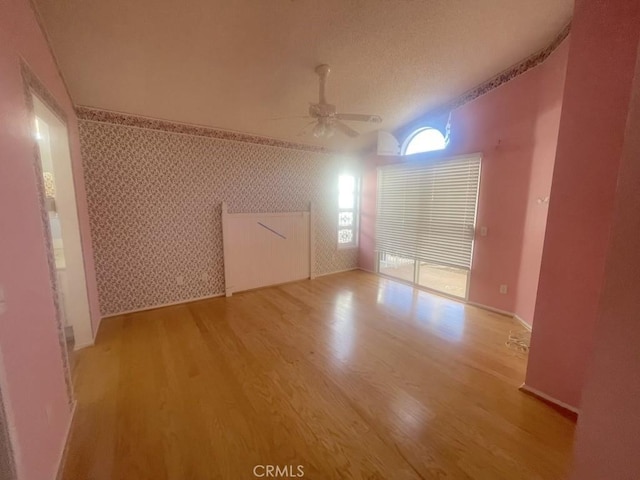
350 376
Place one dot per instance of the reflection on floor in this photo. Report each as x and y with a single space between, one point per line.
348 376
452 281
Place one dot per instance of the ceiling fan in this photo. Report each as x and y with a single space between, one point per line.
327 119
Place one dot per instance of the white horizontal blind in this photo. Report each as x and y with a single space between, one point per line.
427 211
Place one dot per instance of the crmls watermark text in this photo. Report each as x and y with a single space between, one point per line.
278 471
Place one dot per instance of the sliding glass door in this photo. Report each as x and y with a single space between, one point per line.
425 222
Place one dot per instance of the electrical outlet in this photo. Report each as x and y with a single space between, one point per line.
483 231
503 289
180 280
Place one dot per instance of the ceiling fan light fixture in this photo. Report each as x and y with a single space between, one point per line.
319 130
329 130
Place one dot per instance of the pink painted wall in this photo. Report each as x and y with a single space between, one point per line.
33 382
515 128
551 87
598 89
608 442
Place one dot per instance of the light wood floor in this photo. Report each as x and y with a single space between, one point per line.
349 376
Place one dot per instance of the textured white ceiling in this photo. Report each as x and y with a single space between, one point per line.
237 64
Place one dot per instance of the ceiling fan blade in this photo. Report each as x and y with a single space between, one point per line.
358 117
346 129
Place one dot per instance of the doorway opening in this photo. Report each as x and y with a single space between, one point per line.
60 204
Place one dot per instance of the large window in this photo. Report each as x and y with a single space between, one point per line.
424 140
347 211
425 222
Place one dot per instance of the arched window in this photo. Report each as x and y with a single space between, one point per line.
424 140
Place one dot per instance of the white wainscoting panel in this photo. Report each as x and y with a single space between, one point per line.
262 249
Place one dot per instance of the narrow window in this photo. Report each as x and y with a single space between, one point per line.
347 211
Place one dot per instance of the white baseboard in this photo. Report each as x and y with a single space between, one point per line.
491 309
78 346
365 270
63 453
537 393
153 307
502 312
337 271
521 320
180 302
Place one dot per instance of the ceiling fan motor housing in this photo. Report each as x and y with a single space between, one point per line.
322 110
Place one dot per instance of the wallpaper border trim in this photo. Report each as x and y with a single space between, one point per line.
126 119
494 82
512 72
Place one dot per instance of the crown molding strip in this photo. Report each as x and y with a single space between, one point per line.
125 119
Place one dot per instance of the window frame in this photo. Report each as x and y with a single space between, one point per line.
355 210
415 133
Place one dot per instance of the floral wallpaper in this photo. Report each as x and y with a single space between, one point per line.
155 207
